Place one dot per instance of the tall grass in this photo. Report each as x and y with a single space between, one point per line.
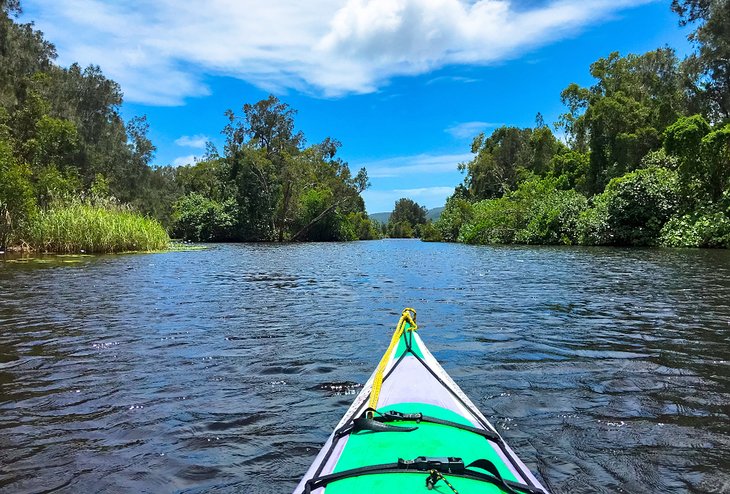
83 227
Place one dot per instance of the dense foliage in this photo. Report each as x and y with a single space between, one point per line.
646 157
61 138
538 212
407 219
63 142
266 185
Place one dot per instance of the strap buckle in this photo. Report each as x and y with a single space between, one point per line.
392 415
443 464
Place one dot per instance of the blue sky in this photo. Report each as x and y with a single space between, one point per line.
403 84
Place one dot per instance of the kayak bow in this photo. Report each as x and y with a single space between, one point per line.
411 429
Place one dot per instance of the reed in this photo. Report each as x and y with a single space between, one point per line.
83 227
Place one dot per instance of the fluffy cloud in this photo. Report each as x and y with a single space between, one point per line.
184 160
468 130
161 51
197 141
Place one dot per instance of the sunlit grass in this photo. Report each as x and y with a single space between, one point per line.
81 227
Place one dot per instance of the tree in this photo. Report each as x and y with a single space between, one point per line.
260 146
503 159
17 199
498 159
716 155
23 52
200 219
711 63
282 189
683 139
129 179
538 212
456 213
623 116
407 215
89 100
572 167
333 175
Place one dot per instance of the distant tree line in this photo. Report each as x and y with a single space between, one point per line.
64 142
645 159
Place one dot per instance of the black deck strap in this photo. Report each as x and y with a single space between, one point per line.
475 413
422 465
366 424
392 416
492 469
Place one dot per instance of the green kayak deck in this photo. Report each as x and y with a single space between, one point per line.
366 452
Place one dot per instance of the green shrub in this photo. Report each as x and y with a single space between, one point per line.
363 227
17 199
716 156
573 167
400 229
311 204
551 214
593 226
429 233
457 212
697 229
200 219
494 221
639 203
632 210
536 213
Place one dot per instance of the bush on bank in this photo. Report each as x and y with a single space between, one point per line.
538 212
81 226
697 229
632 210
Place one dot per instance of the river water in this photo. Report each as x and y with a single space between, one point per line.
224 370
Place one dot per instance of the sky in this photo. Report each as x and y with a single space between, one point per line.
404 85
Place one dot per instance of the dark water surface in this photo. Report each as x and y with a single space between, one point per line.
224 370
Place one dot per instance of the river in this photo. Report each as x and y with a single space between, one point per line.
224 370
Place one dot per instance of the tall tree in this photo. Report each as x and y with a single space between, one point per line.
329 179
506 156
711 62
623 115
260 146
23 52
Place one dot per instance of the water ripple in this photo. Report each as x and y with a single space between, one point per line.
224 370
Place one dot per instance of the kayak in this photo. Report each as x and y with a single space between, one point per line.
411 429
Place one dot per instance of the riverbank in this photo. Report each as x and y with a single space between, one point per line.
642 208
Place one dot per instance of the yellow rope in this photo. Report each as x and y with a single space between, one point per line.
435 477
408 317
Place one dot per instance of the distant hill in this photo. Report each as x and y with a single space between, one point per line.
433 215
380 217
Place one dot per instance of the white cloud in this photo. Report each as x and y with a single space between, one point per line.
464 80
197 141
161 51
468 130
383 200
409 166
184 160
